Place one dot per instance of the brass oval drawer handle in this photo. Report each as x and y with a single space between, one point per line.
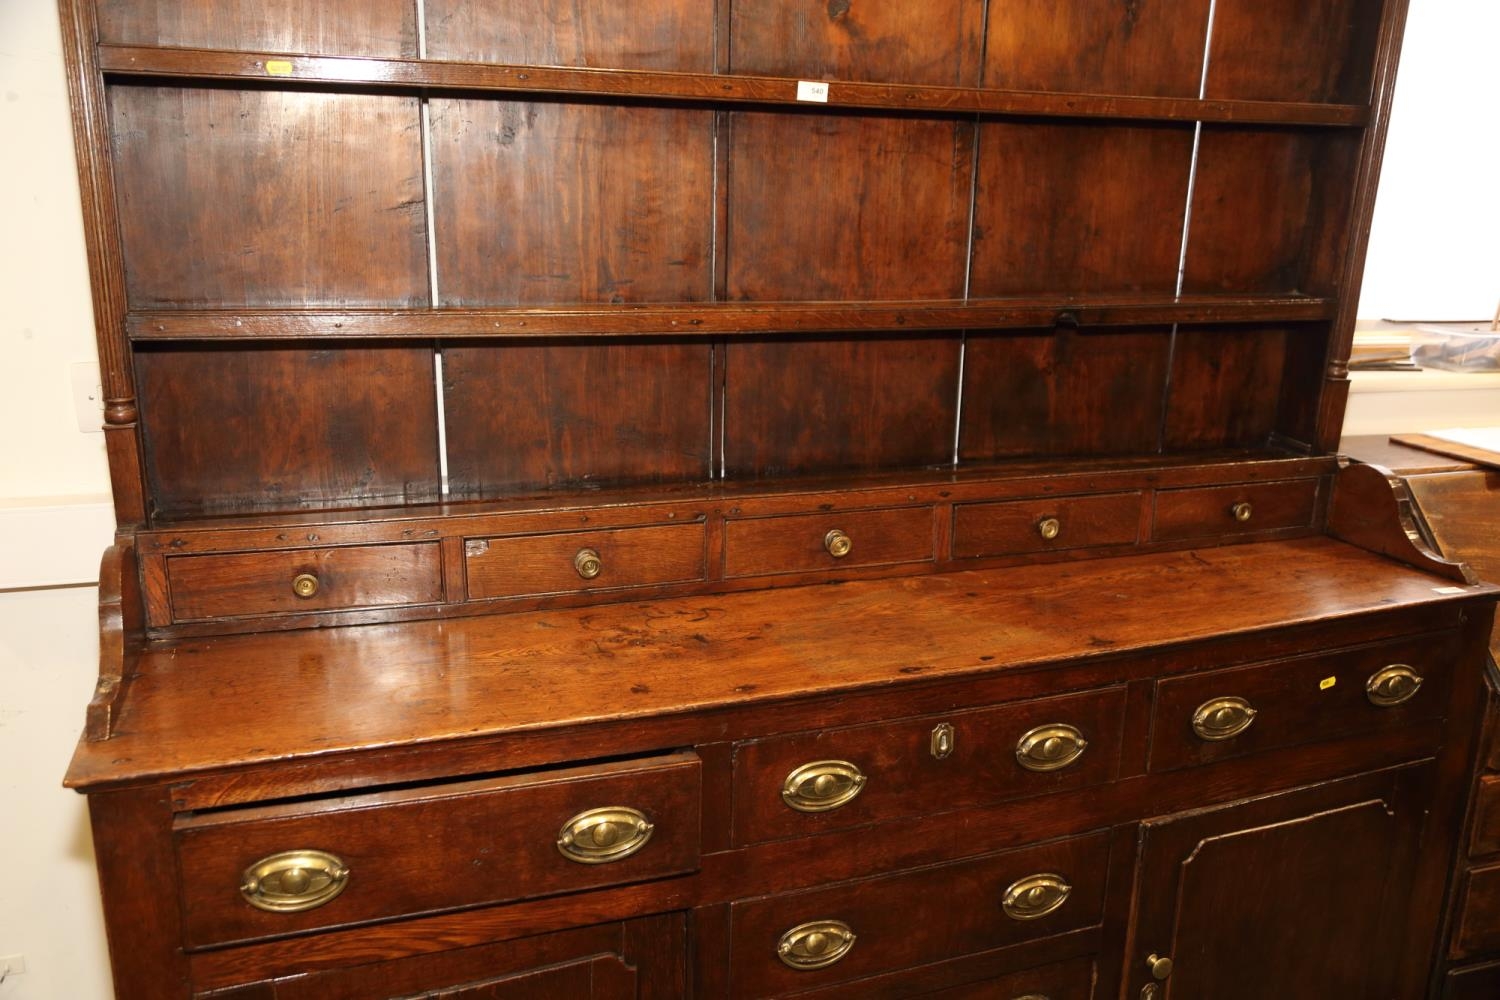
293 881
1035 896
816 944
822 785
1242 511
1222 718
1393 685
587 563
1049 528
599 836
838 544
305 585
1050 748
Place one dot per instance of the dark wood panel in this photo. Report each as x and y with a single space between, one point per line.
544 202
268 198
848 208
1269 211
1097 46
349 27
522 416
1480 982
936 42
1293 50
270 427
1079 208
814 405
1226 384
675 35
1477 922
1071 981
257 583
1485 837
1064 393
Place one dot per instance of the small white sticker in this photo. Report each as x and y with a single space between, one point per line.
810 91
1447 590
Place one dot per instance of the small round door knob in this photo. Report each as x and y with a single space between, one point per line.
587 563
1242 511
1049 528
305 585
1160 966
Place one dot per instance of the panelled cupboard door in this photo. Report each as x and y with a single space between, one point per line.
1302 895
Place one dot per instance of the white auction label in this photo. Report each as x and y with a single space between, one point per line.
807 90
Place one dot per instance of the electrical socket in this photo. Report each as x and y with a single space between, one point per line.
11 965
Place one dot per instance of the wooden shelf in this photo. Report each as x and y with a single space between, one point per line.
280 69
716 319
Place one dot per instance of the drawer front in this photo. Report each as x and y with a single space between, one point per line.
1480 982
1245 509
1478 923
926 765
807 940
804 543
574 561
1045 524
1486 836
297 580
251 873
1063 981
1210 716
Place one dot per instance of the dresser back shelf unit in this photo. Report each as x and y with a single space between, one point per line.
754 498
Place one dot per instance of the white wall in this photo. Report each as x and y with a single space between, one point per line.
1426 249
1435 240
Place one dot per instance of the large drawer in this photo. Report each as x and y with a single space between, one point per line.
1243 509
294 580
1045 524
807 783
1204 717
806 940
606 559
804 543
250 873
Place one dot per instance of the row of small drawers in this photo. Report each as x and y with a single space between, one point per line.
204 587
261 871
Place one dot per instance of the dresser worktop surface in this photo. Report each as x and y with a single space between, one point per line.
210 704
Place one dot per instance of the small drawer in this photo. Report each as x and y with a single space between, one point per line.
296 580
1486 836
1246 509
807 940
804 543
1210 716
567 562
1045 524
1477 926
261 871
807 783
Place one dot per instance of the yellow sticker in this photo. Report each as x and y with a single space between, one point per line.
1326 683
278 67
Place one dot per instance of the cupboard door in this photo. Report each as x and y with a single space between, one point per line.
1302 895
